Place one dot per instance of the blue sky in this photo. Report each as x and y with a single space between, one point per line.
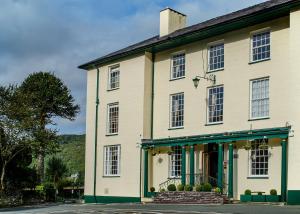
59 35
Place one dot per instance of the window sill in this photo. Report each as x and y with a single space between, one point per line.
109 135
258 177
213 124
113 89
258 61
174 128
178 78
111 176
261 118
216 70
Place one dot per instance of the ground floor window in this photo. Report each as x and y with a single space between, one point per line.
259 158
175 161
112 160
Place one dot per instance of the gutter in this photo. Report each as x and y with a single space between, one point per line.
96 135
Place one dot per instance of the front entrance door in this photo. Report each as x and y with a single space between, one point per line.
210 163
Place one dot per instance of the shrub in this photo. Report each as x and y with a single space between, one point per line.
207 187
273 192
259 193
188 188
199 188
152 189
218 190
248 192
172 187
180 187
162 190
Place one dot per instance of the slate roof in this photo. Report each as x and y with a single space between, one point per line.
268 5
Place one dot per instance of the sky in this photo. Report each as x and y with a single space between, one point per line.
60 35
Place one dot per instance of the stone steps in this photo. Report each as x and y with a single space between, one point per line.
183 197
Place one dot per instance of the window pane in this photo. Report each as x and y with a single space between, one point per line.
113 118
261 46
112 160
177 110
260 98
178 66
216 57
259 157
175 161
114 77
215 104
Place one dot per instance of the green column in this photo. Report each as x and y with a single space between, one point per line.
230 179
220 166
183 165
192 165
145 172
283 170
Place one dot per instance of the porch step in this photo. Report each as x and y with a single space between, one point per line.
190 198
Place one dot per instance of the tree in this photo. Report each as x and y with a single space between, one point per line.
55 169
48 98
14 137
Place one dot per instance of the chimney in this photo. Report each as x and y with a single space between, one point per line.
170 21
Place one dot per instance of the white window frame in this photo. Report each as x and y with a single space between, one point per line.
170 111
107 160
265 30
250 99
108 129
172 168
209 45
171 65
111 69
250 162
207 105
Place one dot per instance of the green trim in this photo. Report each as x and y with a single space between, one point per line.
183 166
220 166
146 173
110 199
225 137
192 165
96 132
230 179
293 197
193 36
283 170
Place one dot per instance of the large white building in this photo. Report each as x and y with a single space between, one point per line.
214 102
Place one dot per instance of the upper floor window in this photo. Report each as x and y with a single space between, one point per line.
177 110
112 160
215 104
260 98
114 77
259 158
216 57
178 66
175 162
113 118
261 46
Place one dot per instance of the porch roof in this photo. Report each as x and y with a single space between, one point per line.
225 137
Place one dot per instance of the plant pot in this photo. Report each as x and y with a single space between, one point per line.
258 198
245 198
272 198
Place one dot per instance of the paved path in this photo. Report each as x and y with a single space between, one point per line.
153 209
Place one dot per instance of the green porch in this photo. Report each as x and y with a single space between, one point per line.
229 139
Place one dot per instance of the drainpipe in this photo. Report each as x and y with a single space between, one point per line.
96 134
152 94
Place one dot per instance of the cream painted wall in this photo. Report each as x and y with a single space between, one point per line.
133 125
236 80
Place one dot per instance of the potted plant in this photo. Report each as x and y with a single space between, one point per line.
259 197
172 188
273 197
152 192
188 188
207 187
247 196
180 187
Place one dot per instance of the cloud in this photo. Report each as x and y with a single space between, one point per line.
59 35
